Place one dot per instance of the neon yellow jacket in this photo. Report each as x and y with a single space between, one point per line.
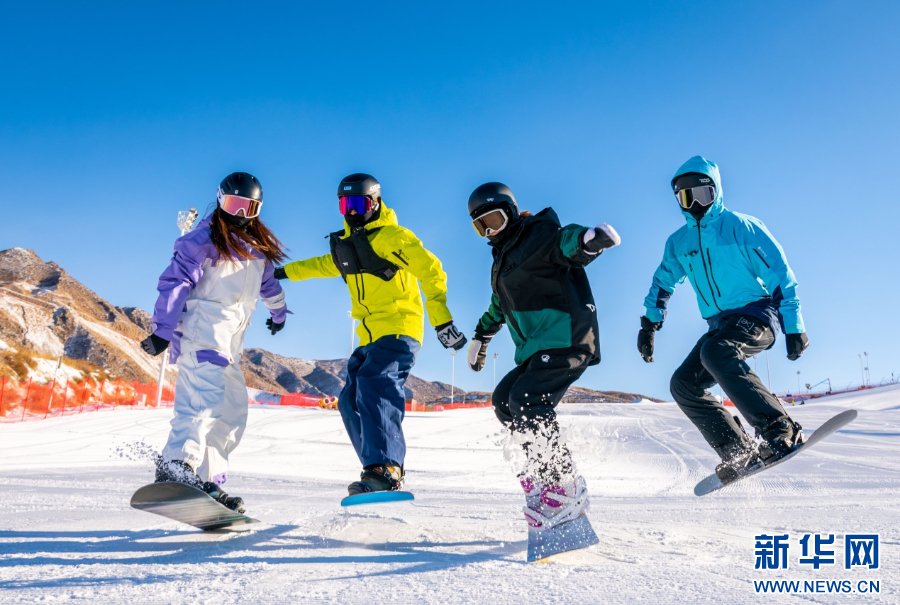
388 307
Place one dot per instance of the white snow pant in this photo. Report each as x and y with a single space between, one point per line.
210 416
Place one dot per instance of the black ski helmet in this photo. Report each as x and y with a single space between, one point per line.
493 195
243 184
360 183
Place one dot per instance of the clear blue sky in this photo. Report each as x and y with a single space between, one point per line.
114 117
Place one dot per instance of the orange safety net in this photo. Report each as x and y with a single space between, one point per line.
21 401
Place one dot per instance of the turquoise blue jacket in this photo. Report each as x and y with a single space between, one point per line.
731 260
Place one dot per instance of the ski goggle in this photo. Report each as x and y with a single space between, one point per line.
360 203
239 206
704 195
491 222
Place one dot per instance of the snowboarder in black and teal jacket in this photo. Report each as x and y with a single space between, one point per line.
541 290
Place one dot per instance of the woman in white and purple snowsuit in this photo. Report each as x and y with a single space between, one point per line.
206 297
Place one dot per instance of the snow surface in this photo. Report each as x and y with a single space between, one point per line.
67 531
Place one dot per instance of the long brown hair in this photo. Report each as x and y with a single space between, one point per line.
228 240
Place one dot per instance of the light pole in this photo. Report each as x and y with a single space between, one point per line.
352 331
768 373
798 383
495 376
862 371
452 375
868 372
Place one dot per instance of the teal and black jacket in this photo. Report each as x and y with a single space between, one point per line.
734 264
541 290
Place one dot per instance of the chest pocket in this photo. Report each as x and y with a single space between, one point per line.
354 255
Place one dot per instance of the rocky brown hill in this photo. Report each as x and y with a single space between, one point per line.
46 313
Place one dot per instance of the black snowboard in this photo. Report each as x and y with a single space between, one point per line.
188 505
713 483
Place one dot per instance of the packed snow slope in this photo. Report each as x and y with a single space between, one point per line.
67 531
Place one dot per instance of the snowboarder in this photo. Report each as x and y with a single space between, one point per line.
540 288
745 289
206 297
380 261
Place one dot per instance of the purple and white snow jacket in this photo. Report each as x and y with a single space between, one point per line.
205 303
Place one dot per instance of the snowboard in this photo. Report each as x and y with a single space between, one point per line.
189 505
377 498
833 424
571 535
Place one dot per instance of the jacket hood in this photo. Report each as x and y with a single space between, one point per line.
701 165
387 217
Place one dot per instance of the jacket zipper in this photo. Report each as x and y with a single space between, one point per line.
359 297
705 270
691 267
761 258
712 273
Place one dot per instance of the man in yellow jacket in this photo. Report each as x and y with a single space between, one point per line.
381 263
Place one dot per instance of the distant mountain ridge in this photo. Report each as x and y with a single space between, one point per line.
45 313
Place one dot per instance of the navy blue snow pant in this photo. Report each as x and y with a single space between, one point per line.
719 357
373 401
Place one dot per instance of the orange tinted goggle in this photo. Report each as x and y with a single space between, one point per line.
240 206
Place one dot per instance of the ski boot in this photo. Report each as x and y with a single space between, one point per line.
737 461
377 478
780 439
553 505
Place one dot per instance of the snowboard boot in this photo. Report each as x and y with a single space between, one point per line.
780 439
558 504
377 478
532 499
218 494
178 471
737 461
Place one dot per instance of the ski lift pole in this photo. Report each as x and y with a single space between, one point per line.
452 375
53 386
162 377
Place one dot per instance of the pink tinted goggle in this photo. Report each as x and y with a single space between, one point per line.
239 206
360 203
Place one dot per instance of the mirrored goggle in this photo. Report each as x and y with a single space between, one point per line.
704 196
360 203
491 222
240 206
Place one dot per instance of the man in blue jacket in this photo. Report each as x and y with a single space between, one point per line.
744 288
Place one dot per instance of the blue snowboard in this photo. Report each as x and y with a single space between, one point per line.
376 498
832 425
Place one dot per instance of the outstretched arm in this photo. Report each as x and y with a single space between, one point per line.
668 275
408 252
318 266
578 246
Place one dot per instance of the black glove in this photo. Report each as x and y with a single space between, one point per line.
645 338
279 273
154 345
478 350
450 337
600 238
796 344
274 327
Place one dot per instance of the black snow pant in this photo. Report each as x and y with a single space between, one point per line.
719 357
525 401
